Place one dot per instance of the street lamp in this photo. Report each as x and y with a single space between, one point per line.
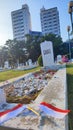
68 30
70 11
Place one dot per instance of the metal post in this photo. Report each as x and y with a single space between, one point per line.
71 19
69 45
70 11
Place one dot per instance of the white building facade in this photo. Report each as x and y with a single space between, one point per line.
21 22
50 21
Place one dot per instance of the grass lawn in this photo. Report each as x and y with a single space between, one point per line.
70 93
5 75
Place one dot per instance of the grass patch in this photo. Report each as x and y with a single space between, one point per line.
70 93
6 75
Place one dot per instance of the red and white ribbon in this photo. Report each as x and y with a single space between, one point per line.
8 114
52 110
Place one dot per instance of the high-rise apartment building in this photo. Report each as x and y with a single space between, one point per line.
21 22
50 21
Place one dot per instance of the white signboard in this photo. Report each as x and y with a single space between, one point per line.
47 53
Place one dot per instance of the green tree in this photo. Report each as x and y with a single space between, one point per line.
33 46
3 55
21 51
16 51
56 40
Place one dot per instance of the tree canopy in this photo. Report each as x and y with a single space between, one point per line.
21 51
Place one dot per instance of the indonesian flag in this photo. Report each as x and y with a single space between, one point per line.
8 114
53 111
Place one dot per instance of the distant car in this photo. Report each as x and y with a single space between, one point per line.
64 58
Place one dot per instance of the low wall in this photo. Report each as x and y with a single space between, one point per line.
56 94
9 128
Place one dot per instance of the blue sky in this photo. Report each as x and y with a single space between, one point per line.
6 6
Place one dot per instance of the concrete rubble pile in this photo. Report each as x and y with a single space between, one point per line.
28 85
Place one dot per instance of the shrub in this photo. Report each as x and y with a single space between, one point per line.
40 62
